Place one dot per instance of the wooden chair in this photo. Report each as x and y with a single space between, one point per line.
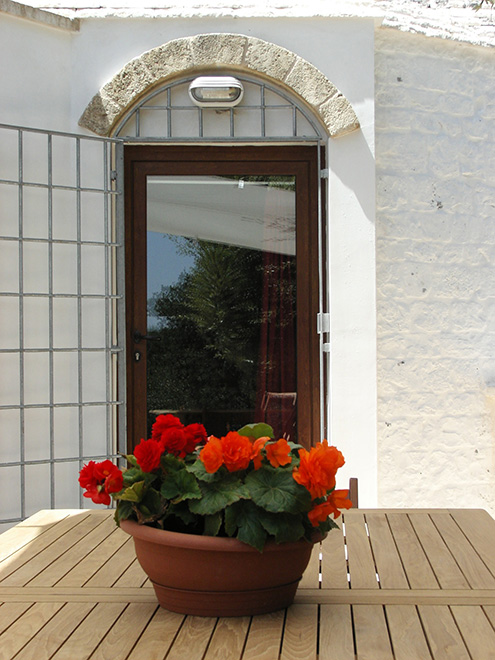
353 492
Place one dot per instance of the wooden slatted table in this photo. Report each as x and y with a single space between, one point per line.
391 584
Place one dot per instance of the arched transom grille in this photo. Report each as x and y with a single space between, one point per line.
265 113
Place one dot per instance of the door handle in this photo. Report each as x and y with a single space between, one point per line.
138 336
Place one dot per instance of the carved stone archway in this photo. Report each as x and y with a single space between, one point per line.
217 52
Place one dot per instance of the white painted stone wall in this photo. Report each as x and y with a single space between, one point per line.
35 75
435 233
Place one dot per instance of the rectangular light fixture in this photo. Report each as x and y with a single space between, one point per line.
216 91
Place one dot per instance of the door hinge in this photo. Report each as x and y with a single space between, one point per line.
113 175
324 173
322 323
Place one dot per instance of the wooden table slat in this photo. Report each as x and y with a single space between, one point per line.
229 638
44 551
333 562
10 612
444 638
300 633
406 633
479 528
53 635
265 633
336 634
26 627
103 553
416 565
193 638
158 637
388 562
74 556
29 530
370 628
114 571
122 636
470 545
41 538
311 576
446 569
87 636
361 563
476 631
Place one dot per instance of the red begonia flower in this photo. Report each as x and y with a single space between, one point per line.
148 454
101 479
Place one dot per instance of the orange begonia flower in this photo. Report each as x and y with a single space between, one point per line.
278 453
317 468
256 454
339 499
320 513
237 450
212 455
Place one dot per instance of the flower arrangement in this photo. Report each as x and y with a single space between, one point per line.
247 484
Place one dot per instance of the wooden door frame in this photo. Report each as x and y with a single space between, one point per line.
300 161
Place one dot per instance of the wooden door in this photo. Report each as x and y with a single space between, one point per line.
241 164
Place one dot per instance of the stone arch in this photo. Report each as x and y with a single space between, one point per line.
211 52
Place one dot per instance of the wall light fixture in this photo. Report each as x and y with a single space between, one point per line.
216 91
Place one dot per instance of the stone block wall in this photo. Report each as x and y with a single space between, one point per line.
435 238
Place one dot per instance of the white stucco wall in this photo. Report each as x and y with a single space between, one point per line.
435 145
35 76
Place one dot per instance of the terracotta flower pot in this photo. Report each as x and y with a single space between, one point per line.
214 576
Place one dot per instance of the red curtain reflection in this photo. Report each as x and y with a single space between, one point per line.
276 391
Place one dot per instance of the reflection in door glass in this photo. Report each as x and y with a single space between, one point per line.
222 298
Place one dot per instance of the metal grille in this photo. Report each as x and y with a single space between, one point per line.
59 303
265 113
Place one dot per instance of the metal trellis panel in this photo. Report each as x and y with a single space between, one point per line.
66 299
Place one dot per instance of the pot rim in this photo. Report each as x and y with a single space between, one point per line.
197 541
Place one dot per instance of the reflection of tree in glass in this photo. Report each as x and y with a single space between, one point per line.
209 324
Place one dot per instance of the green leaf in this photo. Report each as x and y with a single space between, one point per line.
284 527
132 475
134 493
257 430
180 486
181 510
244 518
294 445
275 490
132 460
198 469
219 495
153 502
213 524
170 463
123 511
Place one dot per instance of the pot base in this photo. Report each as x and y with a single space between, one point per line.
222 603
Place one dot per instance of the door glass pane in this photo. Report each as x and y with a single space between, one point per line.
221 277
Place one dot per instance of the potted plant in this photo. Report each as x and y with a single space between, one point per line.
222 526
